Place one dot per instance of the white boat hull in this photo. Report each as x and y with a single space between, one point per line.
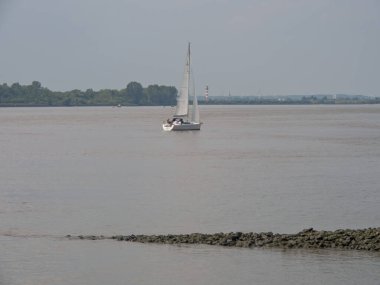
182 127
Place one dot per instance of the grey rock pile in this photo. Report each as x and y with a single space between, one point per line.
363 239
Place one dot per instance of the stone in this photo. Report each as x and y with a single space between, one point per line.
365 239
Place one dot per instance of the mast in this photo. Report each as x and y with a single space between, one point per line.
188 77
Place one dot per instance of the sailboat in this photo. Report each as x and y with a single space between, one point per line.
183 119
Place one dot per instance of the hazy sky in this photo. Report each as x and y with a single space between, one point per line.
246 47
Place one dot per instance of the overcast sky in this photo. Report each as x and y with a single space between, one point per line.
246 47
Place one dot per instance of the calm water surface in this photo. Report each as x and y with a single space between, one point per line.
251 168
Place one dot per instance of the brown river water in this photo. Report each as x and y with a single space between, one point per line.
104 170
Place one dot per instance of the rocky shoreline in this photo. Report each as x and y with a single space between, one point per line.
361 239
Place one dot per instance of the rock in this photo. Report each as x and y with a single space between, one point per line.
304 231
365 239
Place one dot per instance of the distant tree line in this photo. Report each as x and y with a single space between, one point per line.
133 95
154 95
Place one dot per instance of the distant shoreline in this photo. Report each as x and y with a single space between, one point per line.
35 95
200 103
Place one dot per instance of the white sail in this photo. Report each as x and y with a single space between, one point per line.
195 111
182 108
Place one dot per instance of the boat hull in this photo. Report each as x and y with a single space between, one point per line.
182 127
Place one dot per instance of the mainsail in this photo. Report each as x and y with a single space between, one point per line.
195 111
183 96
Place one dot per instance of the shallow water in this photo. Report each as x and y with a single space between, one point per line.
251 168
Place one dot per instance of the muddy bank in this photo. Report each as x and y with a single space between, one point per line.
364 239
